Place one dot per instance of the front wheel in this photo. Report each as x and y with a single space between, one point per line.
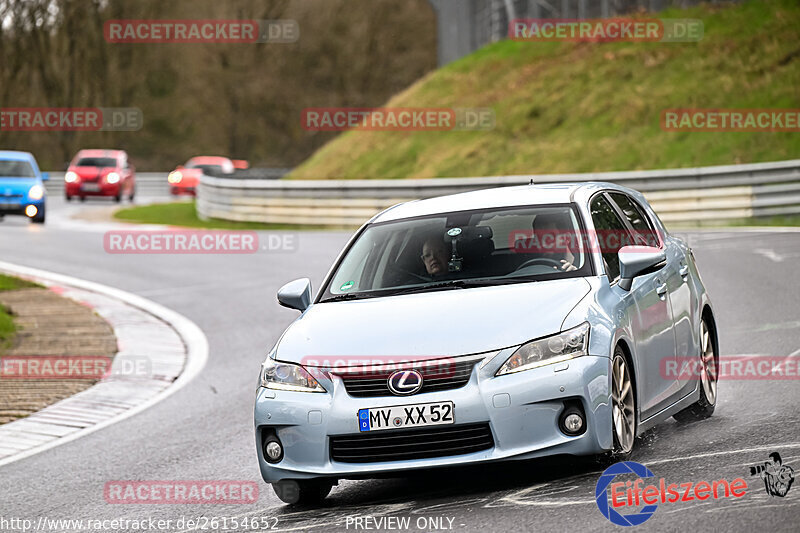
704 407
623 405
623 411
302 491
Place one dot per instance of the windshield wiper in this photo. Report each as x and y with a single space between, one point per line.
442 285
456 284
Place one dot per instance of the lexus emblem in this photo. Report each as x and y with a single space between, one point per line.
404 382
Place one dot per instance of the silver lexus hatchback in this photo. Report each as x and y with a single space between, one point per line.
499 324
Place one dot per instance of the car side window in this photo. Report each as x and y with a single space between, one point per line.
611 232
642 227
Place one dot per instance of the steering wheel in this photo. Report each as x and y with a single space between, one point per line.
547 260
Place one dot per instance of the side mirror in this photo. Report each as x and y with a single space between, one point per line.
296 294
638 260
45 176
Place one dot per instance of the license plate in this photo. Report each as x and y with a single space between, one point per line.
406 416
92 187
7 205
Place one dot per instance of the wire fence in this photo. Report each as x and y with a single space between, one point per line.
466 25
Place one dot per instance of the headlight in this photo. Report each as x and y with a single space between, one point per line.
567 345
287 376
36 192
112 177
174 177
70 177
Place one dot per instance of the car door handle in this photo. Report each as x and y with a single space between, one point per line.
661 290
684 272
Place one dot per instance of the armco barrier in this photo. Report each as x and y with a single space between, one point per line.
680 196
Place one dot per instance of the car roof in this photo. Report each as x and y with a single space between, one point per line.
551 193
13 155
96 152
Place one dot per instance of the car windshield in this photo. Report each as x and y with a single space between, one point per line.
16 169
207 169
460 250
102 162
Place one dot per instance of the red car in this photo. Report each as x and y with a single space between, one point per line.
184 179
100 173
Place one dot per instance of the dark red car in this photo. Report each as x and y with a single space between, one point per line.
100 173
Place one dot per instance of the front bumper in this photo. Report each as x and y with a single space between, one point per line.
17 206
105 189
522 410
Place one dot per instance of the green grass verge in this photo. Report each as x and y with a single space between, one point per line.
784 220
184 214
7 329
10 283
588 107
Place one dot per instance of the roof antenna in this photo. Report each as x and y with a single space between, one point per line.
531 183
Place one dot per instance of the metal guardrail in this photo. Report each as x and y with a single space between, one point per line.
680 196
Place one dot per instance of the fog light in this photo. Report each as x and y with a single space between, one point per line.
31 211
273 451
573 423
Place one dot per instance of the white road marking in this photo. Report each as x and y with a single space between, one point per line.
193 337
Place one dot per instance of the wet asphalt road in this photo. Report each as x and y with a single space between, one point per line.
205 431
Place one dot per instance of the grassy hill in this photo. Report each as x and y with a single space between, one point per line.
580 107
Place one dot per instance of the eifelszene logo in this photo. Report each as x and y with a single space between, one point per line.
632 494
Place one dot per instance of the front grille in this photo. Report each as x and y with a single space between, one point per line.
408 444
451 375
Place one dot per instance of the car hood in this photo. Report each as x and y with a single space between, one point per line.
16 185
92 172
190 172
429 325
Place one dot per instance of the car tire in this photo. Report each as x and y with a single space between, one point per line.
302 491
67 197
133 194
623 411
118 198
704 407
82 198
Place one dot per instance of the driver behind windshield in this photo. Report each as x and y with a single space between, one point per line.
435 256
553 224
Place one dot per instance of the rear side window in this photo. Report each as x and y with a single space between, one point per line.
608 224
643 230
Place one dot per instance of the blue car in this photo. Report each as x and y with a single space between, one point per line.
494 325
22 186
